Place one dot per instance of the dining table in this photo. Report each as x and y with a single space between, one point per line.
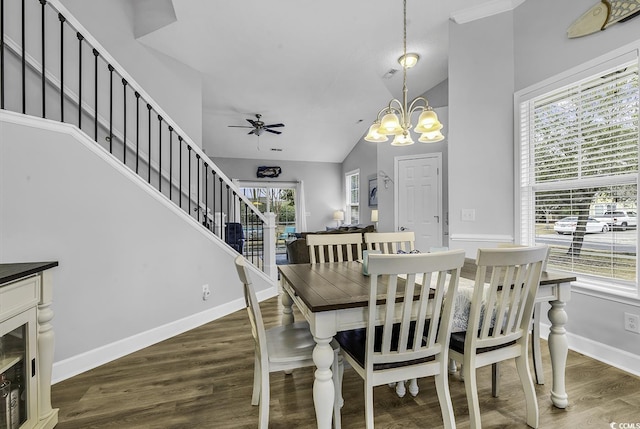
334 297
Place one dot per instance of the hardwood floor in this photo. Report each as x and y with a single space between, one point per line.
203 379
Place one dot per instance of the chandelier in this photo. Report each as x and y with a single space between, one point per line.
395 118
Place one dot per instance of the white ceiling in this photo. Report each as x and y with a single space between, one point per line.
316 66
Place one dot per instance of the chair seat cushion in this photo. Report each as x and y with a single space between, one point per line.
457 343
354 342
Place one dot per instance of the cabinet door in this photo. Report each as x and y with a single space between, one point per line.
17 364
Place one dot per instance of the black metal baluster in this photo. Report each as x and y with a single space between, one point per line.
206 194
189 188
80 39
24 65
62 20
1 54
137 94
110 67
124 121
213 197
198 185
234 205
180 169
228 209
149 153
170 162
96 54
43 3
160 153
221 211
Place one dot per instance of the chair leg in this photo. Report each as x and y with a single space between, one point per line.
368 404
255 397
535 344
338 371
444 397
522 365
495 379
452 366
401 390
265 398
413 387
471 388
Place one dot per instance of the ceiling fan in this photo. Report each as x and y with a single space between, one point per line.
259 127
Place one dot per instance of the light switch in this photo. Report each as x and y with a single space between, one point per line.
468 215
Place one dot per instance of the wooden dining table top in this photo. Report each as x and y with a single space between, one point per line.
342 285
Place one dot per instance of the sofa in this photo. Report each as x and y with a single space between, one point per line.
298 251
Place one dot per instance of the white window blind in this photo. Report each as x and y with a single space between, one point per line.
353 196
578 163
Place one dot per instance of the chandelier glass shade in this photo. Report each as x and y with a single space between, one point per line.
395 118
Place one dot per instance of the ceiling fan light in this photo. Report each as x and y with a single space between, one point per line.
374 136
390 125
409 60
402 140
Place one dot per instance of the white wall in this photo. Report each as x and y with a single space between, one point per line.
176 87
489 60
131 265
322 184
363 156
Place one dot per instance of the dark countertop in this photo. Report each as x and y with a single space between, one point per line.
15 271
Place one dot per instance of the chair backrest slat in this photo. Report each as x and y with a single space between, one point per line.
390 242
418 289
335 246
501 310
253 309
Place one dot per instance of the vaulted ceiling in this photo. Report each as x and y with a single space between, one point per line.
319 67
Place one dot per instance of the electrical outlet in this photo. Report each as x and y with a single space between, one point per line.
206 293
468 215
632 322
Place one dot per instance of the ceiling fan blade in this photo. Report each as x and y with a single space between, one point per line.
273 131
252 132
239 126
252 122
274 125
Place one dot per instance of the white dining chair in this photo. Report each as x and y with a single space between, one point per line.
281 348
390 242
407 334
325 248
499 321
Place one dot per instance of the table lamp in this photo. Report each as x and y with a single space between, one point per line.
374 217
338 216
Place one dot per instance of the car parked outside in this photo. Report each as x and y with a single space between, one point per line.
568 225
620 219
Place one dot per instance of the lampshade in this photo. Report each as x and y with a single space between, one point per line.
389 125
427 122
338 215
374 215
432 137
402 140
374 136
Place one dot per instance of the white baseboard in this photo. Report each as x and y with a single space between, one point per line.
93 358
617 358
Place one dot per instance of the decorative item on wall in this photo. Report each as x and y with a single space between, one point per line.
264 171
603 15
373 192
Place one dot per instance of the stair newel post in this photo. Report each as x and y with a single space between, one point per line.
96 54
62 20
43 3
180 169
170 162
149 145
80 39
124 121
160 153
206 194
198 208
269 246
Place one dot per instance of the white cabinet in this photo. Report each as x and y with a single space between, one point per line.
26 346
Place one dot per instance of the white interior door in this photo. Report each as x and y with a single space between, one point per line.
419 198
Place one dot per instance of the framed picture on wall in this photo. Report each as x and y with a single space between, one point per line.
373 192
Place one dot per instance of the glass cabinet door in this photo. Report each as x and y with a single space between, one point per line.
17 371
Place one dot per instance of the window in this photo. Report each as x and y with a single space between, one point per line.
353 197
579 177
